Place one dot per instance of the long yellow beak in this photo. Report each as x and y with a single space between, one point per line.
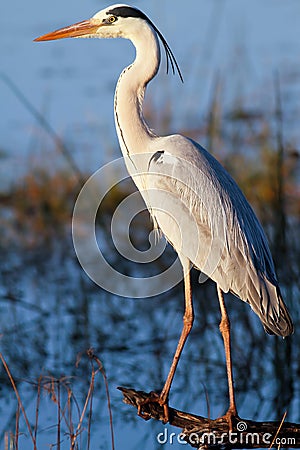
85 28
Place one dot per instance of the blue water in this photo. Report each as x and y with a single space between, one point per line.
71 82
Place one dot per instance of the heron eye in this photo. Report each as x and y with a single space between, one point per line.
112 19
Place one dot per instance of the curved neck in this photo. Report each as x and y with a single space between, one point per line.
133 132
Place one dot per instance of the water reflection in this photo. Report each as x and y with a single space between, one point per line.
51 313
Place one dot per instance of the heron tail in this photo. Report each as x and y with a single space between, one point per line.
276 319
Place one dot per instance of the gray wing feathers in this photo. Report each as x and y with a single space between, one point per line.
239 259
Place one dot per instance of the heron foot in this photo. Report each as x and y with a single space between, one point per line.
154 397
231 417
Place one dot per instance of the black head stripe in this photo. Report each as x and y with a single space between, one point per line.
127 11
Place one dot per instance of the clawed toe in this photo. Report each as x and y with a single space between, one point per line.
154 397
231 418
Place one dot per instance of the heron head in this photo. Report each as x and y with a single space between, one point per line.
114 21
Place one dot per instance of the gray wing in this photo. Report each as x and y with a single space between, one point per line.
220 233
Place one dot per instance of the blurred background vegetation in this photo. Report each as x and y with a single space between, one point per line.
51 313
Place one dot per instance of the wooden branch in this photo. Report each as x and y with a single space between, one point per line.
204 433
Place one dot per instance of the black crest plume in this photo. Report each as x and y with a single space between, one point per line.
128 11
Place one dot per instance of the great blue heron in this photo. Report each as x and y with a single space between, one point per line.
190 196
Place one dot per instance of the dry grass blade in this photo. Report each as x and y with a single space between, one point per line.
93 357
16 440
207 400
279 428
90 423
37 408
88 397
58 416
19 399
69 412
64 413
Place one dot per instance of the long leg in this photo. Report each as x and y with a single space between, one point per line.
225 330
188 320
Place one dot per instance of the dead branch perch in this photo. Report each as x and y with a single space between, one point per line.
203 433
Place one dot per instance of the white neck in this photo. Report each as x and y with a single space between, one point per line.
133 132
